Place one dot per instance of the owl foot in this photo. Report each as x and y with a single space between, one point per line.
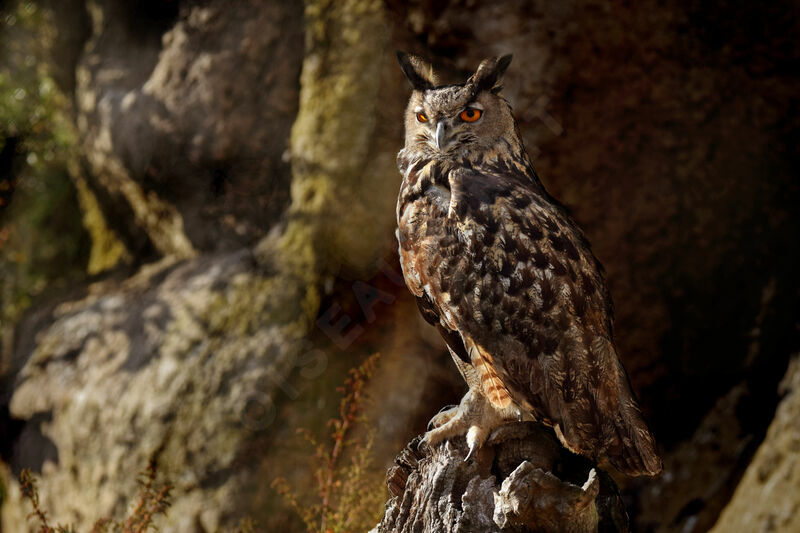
474 417
444 415
476 436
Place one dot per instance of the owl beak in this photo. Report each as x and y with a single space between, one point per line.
440 135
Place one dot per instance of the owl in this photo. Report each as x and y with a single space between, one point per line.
507 278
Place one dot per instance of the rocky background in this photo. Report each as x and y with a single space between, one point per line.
196 240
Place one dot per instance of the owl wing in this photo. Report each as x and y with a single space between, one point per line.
509 274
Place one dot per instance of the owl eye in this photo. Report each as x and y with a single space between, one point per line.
422 117
470 114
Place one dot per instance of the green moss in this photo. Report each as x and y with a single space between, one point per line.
252 301
332 135
107 249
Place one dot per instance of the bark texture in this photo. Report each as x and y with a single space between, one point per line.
521 480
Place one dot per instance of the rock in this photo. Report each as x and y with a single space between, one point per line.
192 357
766 498
700 473
184 351
185 112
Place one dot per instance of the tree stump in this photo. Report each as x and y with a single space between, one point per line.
522 479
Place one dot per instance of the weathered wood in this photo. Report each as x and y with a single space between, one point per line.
521 480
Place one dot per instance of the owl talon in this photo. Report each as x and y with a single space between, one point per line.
445 415
422 444
471 452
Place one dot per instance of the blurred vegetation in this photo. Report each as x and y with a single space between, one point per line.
45 205
152 500
41 236
346 500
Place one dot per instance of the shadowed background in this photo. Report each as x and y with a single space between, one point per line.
196 237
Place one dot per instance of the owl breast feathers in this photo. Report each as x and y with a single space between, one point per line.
506 276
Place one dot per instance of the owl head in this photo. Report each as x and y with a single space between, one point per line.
457 120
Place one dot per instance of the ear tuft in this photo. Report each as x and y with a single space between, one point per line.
418 71
489 73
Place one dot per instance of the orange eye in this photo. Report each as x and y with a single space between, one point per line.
470 114
422 117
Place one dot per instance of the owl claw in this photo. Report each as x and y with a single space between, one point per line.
444 415
476 436
471 452
422 444
474 417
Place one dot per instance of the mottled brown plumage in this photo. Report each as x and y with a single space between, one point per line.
508 278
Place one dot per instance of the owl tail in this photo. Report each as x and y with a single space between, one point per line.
635 453
626 441
622 440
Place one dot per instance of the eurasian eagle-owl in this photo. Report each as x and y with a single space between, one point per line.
508 278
